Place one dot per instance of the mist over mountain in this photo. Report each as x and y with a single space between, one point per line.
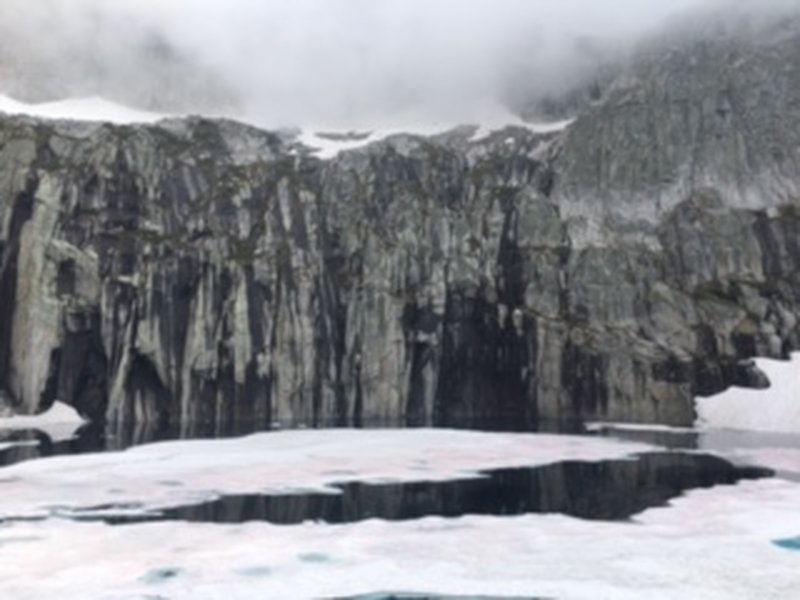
342 62
612 264
397 219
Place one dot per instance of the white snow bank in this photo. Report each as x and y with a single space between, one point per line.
58 413
712 544
59 422
79 109
776 409
184 472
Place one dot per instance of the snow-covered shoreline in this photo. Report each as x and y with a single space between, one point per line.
283 461
772 410
776 409
60 422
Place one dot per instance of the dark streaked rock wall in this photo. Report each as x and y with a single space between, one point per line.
204 270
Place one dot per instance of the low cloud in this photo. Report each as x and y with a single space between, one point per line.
343 62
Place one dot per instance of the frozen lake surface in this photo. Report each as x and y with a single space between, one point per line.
405 514
616 511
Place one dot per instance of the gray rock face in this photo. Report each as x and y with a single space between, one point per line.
206 271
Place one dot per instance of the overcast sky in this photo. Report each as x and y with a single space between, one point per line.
311 61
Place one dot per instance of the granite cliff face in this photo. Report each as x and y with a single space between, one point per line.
203 270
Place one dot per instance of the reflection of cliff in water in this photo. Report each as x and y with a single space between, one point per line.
607 490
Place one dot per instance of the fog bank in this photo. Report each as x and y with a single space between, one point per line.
326 62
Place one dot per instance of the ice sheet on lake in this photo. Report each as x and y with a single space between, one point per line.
714 544
185 472
59 422
775 409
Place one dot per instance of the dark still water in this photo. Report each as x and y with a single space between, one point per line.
609 490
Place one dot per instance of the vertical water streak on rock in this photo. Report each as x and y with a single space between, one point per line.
21 212
204 271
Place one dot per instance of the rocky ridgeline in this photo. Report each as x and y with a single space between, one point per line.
208 271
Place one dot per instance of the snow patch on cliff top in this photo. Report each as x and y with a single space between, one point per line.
79 109
484 123
325 142
776 409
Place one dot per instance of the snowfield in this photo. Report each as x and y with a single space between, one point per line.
776 409
713 544
79 109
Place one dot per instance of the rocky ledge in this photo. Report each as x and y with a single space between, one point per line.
204 270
